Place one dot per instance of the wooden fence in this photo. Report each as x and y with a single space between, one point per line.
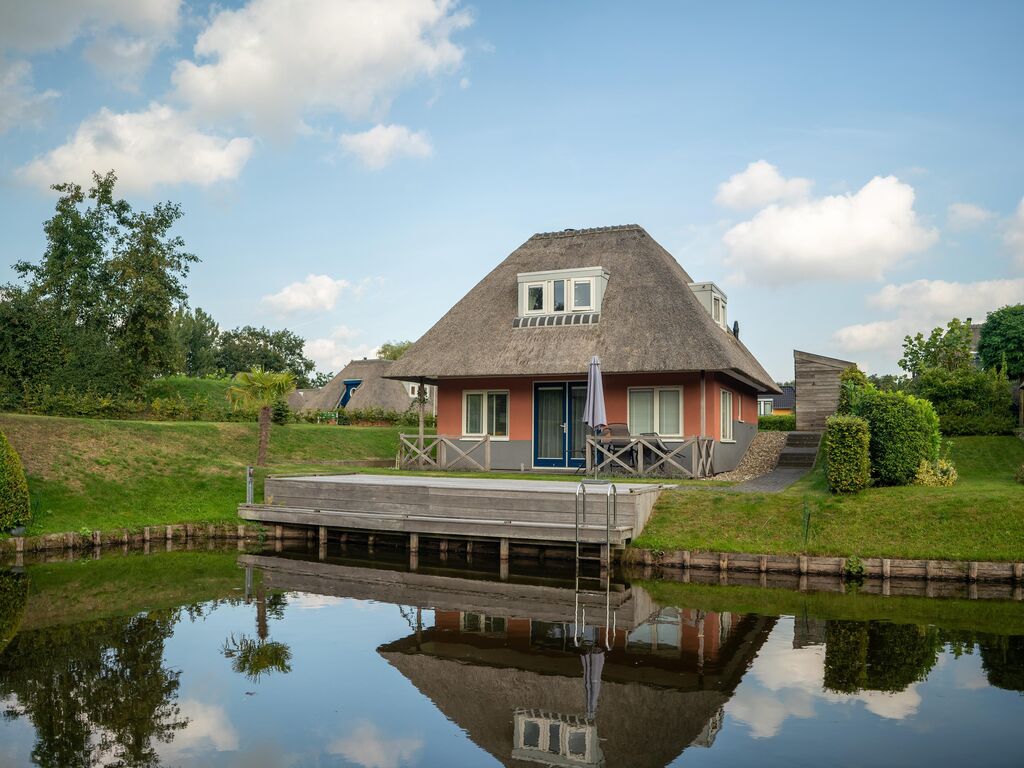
443 452
643 457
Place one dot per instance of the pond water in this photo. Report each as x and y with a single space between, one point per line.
233 659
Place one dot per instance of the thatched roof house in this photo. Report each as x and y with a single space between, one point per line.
509 357
360 385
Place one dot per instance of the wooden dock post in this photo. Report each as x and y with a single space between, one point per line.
503 550
369 543
323 534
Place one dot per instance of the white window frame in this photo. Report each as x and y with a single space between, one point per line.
593 297
526 298
466 435
722 396
657 409
765 407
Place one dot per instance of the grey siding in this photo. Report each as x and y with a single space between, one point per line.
817 389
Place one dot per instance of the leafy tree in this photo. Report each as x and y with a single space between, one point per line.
196 335
260 389
968 401
246 348
320 380
889 382
878 656
255 658
949 349
1002 338
392 350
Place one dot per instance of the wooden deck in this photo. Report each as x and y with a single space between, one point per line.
533 511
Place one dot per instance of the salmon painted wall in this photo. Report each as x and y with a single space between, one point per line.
616 388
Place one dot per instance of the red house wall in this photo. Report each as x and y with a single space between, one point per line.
616 386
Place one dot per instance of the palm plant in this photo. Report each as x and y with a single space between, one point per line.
256 658
260 389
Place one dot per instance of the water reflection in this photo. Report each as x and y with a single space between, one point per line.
290 660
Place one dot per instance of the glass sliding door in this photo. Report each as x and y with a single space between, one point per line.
559 435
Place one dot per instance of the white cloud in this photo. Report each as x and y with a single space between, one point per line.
963 216
369 747
209 727
921 305
354 56
464 83
316 292
146 149
21 105
1015 235
759 184
854 236
381 144
127 33
334 352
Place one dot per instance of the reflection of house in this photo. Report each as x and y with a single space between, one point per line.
519 687
778 405
359 386
510 358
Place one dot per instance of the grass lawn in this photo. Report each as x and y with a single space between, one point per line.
96 474
980 518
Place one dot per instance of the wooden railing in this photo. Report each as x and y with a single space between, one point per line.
443 452
643 457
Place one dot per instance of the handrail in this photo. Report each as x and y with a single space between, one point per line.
579 614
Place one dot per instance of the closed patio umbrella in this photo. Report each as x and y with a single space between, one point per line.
594 415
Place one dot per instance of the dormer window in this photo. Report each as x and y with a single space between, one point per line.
714 301
559 292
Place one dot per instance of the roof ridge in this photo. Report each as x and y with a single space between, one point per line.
587 231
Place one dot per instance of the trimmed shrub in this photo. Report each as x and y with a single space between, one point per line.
847 458
14 506
940 473
968 401
904 432
785 422
13 598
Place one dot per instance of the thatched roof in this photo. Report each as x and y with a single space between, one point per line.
375 391
650 320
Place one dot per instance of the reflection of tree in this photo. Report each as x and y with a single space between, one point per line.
96 691
13 596
1003 660
878 656
255 658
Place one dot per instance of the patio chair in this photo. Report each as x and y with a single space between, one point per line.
613 438
650 457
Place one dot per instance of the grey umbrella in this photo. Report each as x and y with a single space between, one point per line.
594 415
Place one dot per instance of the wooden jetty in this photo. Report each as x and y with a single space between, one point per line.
507 511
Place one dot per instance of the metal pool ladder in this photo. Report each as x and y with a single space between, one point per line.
610 518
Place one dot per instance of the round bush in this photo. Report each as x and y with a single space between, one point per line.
904 432
14 507
847 457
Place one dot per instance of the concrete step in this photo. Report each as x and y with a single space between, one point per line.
796 460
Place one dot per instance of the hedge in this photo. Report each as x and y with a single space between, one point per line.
785 422
14 506
904 431
968 401
847 457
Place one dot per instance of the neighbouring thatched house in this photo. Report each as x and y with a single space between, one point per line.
509 360
359 386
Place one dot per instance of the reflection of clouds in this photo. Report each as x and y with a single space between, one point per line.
788 682
209 729
310 602
371 748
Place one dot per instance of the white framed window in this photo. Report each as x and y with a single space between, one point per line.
655 409
485 413
716 309
558 295
726 403
535 299
583 294
765 408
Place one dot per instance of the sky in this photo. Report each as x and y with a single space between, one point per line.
846 173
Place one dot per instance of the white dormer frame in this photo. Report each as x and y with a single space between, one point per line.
594 277
714 301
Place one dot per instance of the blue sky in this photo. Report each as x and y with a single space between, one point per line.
846 173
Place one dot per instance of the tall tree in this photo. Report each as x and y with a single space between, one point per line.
1002 336
392 350
260 389
949 349
196 334
246 348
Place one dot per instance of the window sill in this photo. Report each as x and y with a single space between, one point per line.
727 442
479 438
